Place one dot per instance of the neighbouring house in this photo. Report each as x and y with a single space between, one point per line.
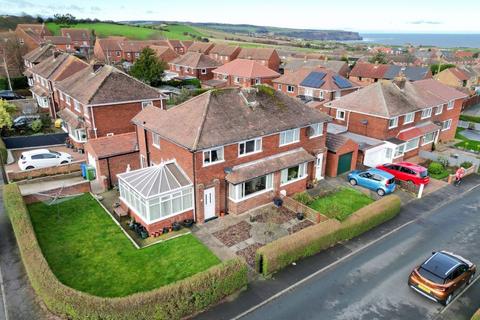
101 101
60 42
45 75
393 120
166 54
108 49
367 73
80 39
201 47
194 65
244 73
36 56
293 65
318 84
224 53
228 150
31 35
112 155
265 56
9 54
457 77
179 46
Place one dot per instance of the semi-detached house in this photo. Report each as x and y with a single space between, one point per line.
101 101
224 151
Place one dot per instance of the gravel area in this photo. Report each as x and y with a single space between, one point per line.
299 226
275 215
249 254
234 234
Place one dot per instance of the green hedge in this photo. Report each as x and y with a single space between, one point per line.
3 151
476 316
17 83
468 118
173 301
309 241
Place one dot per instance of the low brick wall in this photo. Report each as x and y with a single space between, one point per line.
78 188
44 172
296 206
473 169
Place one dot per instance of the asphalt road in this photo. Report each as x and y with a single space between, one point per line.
372 284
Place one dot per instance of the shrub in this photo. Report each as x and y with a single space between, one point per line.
476 316
173 301
466 164
282 252
435 168
443 161
303 197
3 151
36 125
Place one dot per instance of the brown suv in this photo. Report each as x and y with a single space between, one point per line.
441 275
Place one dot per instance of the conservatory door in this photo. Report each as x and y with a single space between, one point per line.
209 203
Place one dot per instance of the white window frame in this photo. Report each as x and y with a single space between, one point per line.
321 94
85 111
257 147
317 129
412 148
210 151
449 121
203 71
450 104
411 114
279 86
426 113
338 94
302 174
258 81
439 109
236 192
337 115
156 140
76 134
147 103
290 89
295 137
236 79
399 150
425 142
143 161
67 100
395 123
77 106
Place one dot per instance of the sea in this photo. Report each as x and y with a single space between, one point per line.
424 39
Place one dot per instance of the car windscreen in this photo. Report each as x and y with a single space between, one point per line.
423 174
55 153
430 276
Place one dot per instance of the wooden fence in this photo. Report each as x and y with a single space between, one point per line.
295 206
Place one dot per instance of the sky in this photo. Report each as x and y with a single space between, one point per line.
379 16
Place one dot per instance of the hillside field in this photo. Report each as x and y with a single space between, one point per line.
102 30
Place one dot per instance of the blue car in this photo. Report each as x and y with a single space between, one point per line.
377 180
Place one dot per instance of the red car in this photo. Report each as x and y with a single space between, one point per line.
406 171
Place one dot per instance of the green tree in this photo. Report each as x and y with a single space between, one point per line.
379 57
148 67
36 125
6 110
64 19
436 68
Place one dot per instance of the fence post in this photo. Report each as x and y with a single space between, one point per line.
420 191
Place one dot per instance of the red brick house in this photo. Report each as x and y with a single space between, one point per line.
224 53
244 73
397 118
164 53
31 35
80 39
295 64
36 56
367 73
201 47
112 155
265 56
44 76
236 148
101 101
179 46
60 42
108 49
194 65
317 84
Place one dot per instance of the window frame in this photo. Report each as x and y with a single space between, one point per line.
449 121
290 88
340 111
413 148
156 144
439 109
258 147
319 126
430 110
405 118
295 137
450 104
236 192
210 151
424 142
395 125
302 174
399 150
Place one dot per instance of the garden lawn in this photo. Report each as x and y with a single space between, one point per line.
466 143
340 204
87 251
102 30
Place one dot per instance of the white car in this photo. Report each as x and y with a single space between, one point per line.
41 158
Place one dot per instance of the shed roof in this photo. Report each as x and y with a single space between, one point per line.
105 147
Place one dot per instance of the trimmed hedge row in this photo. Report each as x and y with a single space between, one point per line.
476 316
173 301
3 151
309 241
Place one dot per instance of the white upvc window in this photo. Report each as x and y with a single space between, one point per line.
289 136
236 79
77 106
337 95
146 104
412 144
250 188
143 161
156 140
293 174
450 105
439 109
258 81
290 89
409 117
399 150
428 138
388 153
446 124
426 113
392 123
67 100
85 111
316 130
279 87
249 147
340 114
212 156
77 135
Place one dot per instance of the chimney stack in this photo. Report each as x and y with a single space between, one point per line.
56 53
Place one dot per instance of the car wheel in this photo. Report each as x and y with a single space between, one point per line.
353 182
29 167
381 192
64 162
448 300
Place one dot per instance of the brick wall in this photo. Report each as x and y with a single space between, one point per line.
78 188
333 157
44 172
283 89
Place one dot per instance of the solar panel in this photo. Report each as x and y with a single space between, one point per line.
314 80
341 82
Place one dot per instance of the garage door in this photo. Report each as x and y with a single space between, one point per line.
344 163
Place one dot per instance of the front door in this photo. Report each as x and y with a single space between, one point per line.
209 203
319 166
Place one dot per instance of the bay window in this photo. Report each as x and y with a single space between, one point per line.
399 150
428 138
78 135
293 174
250 188
289 136
412 144
212 156
250 146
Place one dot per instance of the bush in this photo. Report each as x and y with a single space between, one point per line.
466 164
304 198
173 301
309 241
476 316
468 118
3 151
36 125
435 168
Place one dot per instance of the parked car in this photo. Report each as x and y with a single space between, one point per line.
10 95
441 275
24 121
377 180
408 172
41 158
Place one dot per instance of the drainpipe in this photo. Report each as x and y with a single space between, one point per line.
194 188
109 174
147 152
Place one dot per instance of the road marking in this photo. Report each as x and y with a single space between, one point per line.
293 286
460 294
3 295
